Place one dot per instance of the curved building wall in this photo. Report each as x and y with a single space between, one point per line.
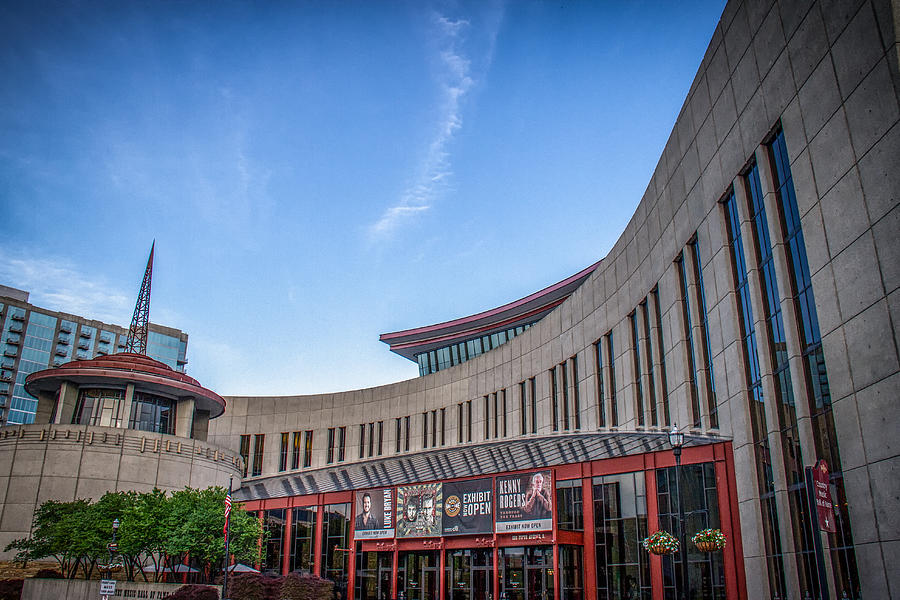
827 77
67 462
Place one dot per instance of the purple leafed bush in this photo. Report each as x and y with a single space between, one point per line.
194 592
11 589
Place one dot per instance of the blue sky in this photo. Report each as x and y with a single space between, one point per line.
318 173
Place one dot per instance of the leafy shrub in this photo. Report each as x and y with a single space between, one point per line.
11 589
194 592
246 586
48 574
305 587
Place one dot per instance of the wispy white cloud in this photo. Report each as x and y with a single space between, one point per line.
55 283
435 170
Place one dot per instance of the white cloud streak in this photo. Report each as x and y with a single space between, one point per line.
56 284
435 170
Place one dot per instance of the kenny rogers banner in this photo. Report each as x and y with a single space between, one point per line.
374 515
419 510
525 502
468 507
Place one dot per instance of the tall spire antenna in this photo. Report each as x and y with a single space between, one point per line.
140 322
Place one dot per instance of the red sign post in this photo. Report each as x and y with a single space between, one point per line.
822 495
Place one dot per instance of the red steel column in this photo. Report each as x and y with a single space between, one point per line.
726 488
286 542
441 565
589 578
318 542
394 568
656 577
496 577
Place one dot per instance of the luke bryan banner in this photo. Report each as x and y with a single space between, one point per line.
468 507
419 510
525 502
374 515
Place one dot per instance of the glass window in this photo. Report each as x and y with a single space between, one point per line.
335 547
620 522
245 453
307 448
283 459
150 412
259 442
569 512
273 552
701 508
303 526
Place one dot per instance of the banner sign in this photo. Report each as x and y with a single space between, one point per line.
419 510
822 495
374 515
468 507
525 502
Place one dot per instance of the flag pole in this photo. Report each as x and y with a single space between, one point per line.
227 538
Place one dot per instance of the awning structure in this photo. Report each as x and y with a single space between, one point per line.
471 460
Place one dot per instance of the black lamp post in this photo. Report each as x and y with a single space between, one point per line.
676 439
112 547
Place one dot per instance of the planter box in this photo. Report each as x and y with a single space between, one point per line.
79 589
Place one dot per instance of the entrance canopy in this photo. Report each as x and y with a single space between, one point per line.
453 463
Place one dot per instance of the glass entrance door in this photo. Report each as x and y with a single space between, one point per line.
373 575
469 574
526 573
417 576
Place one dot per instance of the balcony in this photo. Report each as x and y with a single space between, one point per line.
85 334
84 346
63 341
17 317
8 365
13 341
58 363
15 329
65 329
102 352
10 353
61 352
7 377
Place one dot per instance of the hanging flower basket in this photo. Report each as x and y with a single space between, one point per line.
709 540
661 542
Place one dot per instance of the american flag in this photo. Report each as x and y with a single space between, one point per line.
227 511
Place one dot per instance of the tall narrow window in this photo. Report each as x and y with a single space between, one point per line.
503 408
598 366
283 457
576 401
398 436
468 420
459 423
245 453
636 354
554 400
664 383
565 395
295 450
329 456
709 377
689 340
784 393
487 417
307 448
424 429
815 372
371 439
496 414
406 433
342 443
651 383
362 440
380 437
532 389
443 427
765 481
259 443
434 428
613 402
523 420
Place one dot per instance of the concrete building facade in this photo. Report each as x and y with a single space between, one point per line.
752 298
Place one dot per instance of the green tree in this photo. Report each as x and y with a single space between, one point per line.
143 533
196 523
58 531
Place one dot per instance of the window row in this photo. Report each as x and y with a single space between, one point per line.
454 354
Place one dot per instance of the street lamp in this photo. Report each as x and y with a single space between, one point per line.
676 440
